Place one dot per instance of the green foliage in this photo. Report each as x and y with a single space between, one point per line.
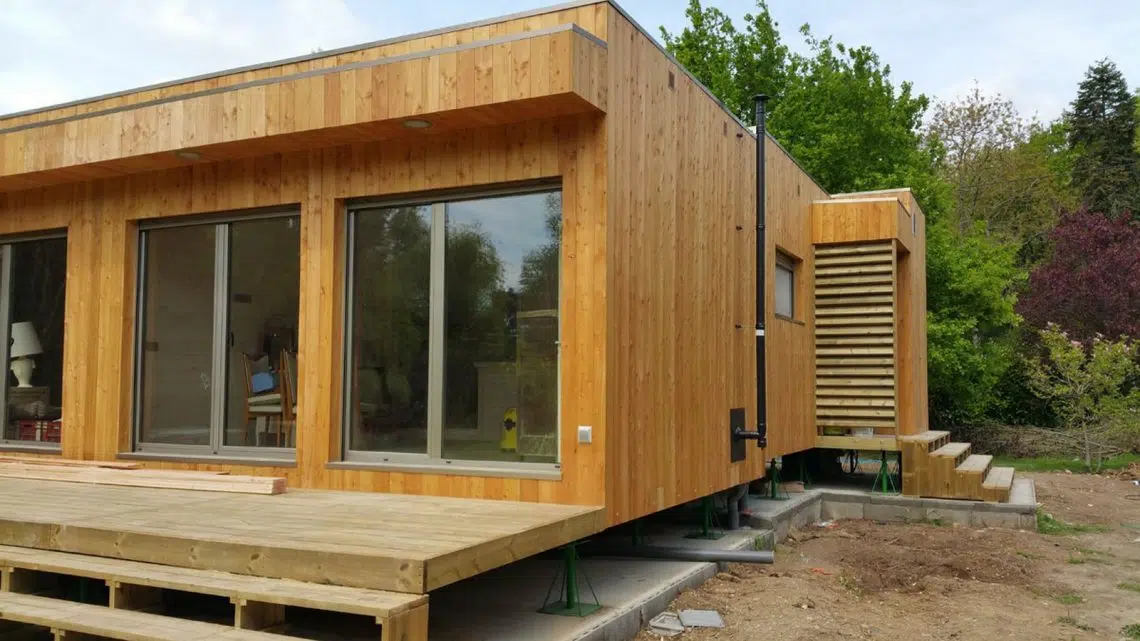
845 121
1131 586
970 299
1131 631
1070 599
1047 524
734 65
1103 131
1088 387
1009 176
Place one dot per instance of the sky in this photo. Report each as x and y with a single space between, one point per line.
1033 52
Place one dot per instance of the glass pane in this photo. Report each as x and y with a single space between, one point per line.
177 336
785 291
265 281
501 374
37 280
389 335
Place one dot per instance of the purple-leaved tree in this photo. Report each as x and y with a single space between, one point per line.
1091 285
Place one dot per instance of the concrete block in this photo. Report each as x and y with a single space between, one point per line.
995 519
958 516
834 510
844 496
1028 522
876 498
893 513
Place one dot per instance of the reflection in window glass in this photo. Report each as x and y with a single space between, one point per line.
501 310
389 338
36 281
785 287
265 281
177 336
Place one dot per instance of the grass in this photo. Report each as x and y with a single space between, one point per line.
1070 599
1062 463
1047 524
1131 631
1067 620
1029 555
1131 586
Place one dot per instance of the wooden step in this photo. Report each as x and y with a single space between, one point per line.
122 625
976 464
953 450
997 485
928 436
128 576
969 476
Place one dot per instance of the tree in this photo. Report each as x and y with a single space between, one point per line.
1008 174
1088 387
844 120
1091 284
971 285
734 65
1102 130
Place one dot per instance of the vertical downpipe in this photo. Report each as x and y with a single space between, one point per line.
761 208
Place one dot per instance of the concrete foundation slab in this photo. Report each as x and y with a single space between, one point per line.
502 605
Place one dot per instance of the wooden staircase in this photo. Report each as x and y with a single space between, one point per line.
934 467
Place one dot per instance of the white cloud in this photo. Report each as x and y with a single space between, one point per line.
71 49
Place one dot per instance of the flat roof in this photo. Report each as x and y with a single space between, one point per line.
571 4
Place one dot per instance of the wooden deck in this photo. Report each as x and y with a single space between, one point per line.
401 543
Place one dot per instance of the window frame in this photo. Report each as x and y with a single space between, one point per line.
432 460
786 262
6 243
219 340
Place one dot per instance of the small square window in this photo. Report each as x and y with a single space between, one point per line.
785 285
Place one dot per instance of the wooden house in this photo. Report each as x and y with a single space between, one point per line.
512 260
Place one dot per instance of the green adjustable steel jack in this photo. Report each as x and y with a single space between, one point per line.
569 603
884 479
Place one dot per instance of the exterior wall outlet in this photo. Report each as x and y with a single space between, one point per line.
585 434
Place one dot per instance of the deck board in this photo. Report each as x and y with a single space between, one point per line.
380 541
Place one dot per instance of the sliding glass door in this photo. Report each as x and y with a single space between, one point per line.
217 318
33 281
453 331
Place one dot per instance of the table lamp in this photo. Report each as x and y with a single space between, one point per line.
24 343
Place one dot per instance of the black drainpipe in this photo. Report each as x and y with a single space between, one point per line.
761 433
761 213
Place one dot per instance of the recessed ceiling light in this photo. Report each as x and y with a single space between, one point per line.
416 123
186 154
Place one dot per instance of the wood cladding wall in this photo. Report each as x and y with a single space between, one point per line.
855 338
593 18
545 75
681 287
910 311
101 218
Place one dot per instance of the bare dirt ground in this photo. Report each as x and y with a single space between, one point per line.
859 580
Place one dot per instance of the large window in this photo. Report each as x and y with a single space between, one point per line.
453 330
217 336
32 283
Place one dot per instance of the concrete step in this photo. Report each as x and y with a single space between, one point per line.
976 464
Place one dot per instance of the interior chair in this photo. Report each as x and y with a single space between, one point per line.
289 368
262 408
